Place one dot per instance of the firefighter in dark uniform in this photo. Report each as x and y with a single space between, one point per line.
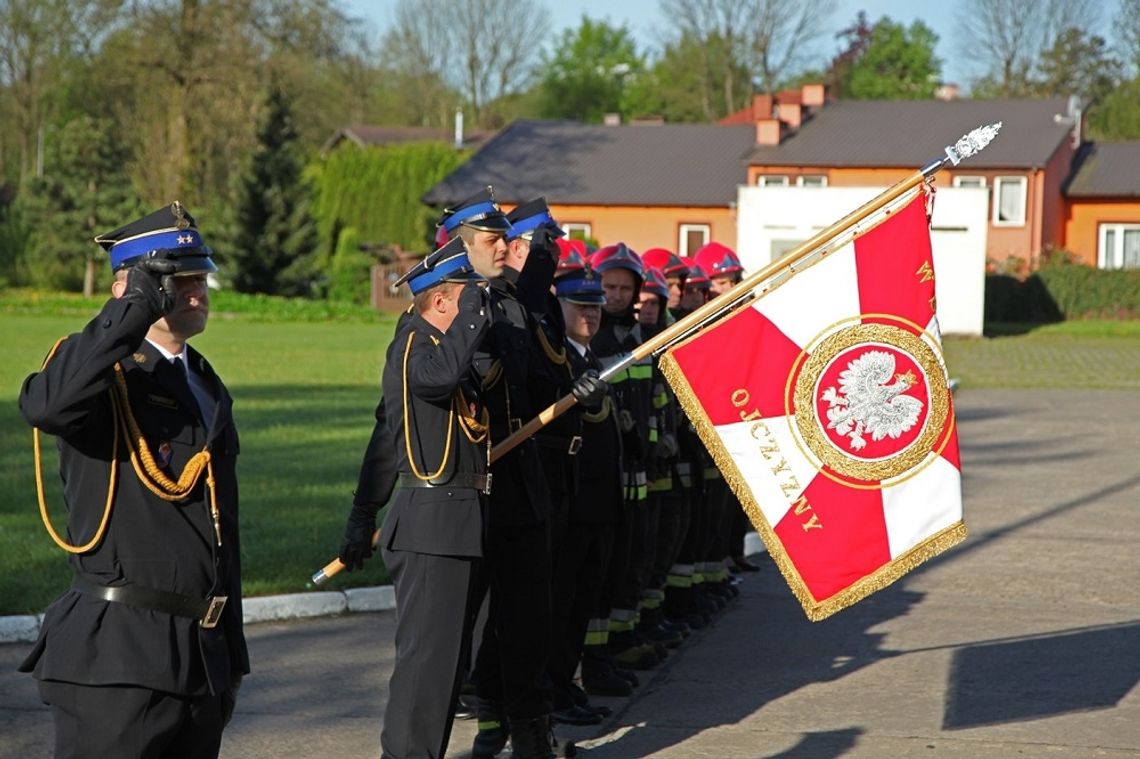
622 274
143 655
432 536
580 567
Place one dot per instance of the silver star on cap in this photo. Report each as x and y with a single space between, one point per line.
185 239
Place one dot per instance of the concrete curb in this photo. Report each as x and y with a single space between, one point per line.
25 628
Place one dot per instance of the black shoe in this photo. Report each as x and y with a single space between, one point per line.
532 739
660 635
601 711
489 741
677 625
628 675
466 707
576 715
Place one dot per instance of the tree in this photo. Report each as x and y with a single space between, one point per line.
486 49
1117 116
1128 31
84 191
1007 38
680 91
276 235
1078 64
586 77
894 62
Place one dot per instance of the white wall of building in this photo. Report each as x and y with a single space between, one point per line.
773 220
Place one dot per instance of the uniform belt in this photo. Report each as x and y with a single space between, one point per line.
568 444
207 611
458 480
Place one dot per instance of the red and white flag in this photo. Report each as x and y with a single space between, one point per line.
826 406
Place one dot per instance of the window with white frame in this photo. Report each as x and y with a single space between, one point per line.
969 181
811 180
576 230
692 237
1119 246
772 180
1009 201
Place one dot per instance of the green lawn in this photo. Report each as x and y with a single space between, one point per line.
304 396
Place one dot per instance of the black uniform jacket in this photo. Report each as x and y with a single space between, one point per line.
599 496
520 495
168 546
443 520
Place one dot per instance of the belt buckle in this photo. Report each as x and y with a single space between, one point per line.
515 423
213 613
575 445
487 484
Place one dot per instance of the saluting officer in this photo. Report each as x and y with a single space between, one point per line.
432 536
143 655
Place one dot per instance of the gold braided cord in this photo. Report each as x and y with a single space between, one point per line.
474 429
555 356
142 461
493 374
601 414
407 424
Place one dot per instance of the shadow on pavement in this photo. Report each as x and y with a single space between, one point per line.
1008 681
828 744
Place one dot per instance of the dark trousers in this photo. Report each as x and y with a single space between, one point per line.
510 667
672 524
579 572
614 595
434 611
718 502
125 722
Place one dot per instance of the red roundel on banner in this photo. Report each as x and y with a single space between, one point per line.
872 401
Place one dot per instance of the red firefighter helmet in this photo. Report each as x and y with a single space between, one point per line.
667 261
618 256
655 283
697 277
718 260
571 256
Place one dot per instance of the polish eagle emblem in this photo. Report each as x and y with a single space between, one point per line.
870 400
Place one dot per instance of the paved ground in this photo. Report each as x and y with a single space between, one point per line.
1025 641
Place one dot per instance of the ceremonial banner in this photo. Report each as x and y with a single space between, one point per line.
825 405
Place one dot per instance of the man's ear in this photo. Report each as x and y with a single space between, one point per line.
118 287
439 300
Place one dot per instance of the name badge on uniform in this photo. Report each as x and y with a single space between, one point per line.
161 400
165 454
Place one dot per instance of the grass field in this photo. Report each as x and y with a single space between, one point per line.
304 396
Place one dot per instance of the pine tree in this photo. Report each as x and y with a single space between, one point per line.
276 238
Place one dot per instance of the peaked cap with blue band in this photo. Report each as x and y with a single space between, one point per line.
480 211
530 216
447 264
170 231
581 286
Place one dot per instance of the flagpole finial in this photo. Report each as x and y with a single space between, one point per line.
972 143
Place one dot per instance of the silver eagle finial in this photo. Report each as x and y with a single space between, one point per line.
972 143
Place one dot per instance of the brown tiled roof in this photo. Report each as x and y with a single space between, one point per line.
1107 170
909 133
584 164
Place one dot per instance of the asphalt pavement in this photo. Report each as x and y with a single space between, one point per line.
1022 642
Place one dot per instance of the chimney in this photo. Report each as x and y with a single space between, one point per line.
791 114
813 95
947 92
762 106
769 131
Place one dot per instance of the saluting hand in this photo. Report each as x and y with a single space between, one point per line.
150 284
474 298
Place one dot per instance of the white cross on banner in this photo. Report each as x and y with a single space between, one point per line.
825 404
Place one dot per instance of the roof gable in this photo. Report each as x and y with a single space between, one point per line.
586 164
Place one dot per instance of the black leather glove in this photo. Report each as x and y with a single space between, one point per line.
542 240
474 299
150 284
357 543
590 390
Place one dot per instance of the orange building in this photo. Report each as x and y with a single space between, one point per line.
675 185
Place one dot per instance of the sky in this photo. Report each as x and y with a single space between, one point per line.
644 20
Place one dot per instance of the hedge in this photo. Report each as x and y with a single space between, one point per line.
1060 290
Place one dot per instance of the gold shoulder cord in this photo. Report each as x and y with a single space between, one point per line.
475 430
601 414
556 356
142 461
